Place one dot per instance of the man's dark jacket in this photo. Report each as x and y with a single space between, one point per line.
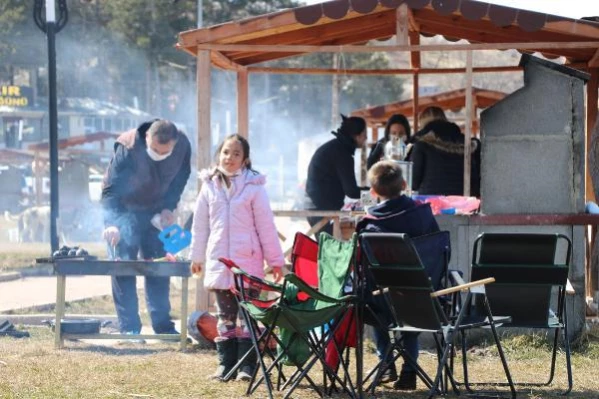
134 183
331 174
438 156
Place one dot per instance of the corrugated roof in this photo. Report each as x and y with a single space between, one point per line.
347 22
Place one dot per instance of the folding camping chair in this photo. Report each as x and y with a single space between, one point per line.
304 263
399 272
434 250
531 276
303 328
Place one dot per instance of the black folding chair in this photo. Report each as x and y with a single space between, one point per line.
531 276
400 273
434 250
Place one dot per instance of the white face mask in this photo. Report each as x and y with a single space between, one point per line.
226 173
156 156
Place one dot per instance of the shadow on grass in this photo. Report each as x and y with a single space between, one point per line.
120 350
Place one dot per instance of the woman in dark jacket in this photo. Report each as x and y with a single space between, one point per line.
438 157
331 174
397 125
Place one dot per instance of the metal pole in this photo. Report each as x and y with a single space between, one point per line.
53 109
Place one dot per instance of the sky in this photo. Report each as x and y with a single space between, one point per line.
566 8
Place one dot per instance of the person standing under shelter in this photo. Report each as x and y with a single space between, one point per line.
331 174
438 157
146 177
397 128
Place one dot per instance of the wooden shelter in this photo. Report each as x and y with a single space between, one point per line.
454 101
347 26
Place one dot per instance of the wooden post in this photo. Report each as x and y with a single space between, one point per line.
375 133
591 108
204 143
468 132
243 118
415 65
415 101
336 84
401 25
591 269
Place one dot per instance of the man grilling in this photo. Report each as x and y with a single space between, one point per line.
144 181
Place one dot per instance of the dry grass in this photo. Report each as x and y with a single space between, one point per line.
31 368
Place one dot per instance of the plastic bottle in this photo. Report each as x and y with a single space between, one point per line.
393 150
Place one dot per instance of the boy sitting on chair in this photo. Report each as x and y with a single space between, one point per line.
395 213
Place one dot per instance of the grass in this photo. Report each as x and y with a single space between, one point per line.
31 368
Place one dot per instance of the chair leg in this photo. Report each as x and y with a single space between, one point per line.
568 353
500 350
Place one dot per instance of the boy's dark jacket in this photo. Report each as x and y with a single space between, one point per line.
399 215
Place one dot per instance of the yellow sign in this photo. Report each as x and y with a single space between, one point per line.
16 96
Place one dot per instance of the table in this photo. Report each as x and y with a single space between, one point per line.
78 267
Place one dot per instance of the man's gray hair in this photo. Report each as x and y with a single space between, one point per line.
164 131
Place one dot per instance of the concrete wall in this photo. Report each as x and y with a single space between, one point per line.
533 144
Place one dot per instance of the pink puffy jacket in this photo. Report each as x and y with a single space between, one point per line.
240 228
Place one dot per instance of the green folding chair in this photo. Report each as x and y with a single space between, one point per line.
302 326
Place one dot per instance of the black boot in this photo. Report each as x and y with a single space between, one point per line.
406 381
246 371
227 358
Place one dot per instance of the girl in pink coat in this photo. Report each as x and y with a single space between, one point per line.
233 219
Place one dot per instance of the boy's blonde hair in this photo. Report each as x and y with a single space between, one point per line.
386 179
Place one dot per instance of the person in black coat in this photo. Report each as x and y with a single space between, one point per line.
397 125
438 157
331 174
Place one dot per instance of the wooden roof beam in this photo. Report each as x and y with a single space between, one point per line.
533 46
405 71
594 61
222 61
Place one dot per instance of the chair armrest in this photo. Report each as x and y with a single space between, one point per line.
313 293
237 270
463 287
460 287
569 288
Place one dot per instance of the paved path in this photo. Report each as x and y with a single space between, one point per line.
39 291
